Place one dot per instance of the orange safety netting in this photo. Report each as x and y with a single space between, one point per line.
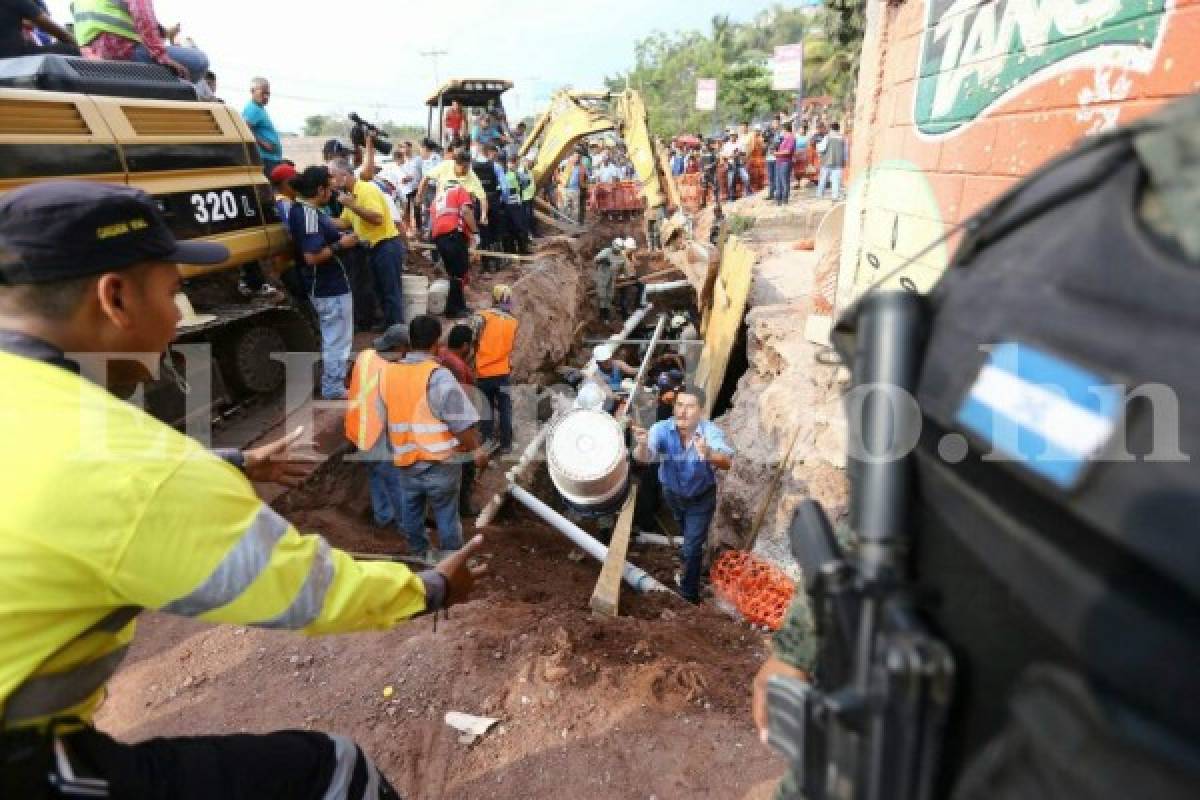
760 591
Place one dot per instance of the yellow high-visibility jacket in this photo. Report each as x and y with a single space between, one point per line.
108 511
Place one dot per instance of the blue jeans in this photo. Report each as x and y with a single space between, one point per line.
438 483
500 401
735 175
335 317
387 498
771 180
783 180
387 261
693 515
195 61
832 176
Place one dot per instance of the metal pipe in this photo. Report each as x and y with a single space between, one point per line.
669 286
638 578
641 373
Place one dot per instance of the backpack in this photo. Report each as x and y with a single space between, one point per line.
1056 541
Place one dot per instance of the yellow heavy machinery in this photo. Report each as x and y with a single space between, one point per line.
575 115
136 124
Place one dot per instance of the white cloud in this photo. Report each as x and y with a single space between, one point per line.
359 55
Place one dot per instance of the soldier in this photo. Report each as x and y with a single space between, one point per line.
793 652
611 263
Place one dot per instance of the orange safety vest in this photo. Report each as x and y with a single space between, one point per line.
492 357
413 431
365 413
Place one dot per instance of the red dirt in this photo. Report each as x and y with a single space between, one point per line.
653 703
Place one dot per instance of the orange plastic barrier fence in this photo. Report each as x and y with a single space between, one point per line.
759 590
619 197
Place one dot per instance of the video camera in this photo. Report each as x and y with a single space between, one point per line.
870 725
359 131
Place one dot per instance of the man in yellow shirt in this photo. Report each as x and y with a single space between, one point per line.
453 172
111 512
369 212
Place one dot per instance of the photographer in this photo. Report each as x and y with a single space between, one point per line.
367 209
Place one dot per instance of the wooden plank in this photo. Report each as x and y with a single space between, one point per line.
730 294
607 594
493 254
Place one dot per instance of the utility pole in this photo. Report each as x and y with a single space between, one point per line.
434 54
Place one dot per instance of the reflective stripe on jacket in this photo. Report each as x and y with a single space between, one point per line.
414 432
109 511
493 356
365 413
94 17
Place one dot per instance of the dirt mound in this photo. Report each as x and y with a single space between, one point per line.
550 300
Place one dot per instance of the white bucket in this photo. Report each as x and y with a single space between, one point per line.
414 283
587 459
439 290
416 303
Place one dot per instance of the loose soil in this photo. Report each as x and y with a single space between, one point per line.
653 703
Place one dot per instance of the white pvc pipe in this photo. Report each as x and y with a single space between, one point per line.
656 288
631 325
638 578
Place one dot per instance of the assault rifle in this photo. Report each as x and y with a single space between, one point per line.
869 726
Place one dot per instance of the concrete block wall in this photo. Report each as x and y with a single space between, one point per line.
957 99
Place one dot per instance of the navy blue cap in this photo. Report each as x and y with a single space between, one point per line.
334 148
60 230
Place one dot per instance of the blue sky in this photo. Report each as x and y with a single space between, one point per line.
367 58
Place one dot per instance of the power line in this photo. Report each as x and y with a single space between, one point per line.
434 54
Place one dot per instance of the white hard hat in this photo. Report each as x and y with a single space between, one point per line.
592 395
602 352
630 244
618 243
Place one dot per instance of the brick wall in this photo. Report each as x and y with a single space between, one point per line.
959 98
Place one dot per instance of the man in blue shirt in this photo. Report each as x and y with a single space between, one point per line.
255 114
689 450
318 242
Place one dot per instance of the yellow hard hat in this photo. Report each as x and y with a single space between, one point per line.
502 293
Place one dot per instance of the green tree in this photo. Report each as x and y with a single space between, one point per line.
667 66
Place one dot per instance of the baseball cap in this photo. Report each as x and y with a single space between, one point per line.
602 352
394 337
60 230
283 173
334 148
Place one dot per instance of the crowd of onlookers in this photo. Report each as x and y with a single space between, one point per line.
771 156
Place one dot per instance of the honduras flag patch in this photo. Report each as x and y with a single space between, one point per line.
1048 415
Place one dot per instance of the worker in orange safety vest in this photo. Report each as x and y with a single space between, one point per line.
496 334
365 419
429 424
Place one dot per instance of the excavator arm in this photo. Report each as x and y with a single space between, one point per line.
574 115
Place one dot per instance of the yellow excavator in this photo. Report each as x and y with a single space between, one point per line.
136 124
575 115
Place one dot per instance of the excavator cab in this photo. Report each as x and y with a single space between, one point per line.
139 125
483 94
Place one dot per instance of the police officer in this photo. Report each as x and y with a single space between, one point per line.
104 502
611 262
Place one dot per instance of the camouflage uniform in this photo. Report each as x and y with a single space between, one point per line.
610 262
795 643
